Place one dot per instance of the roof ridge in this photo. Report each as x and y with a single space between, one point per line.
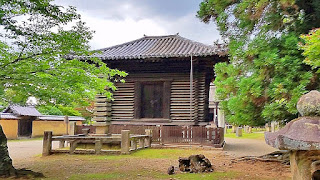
195 42
164 46
144 37
122 44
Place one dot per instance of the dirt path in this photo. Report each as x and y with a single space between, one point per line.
246 147
24 150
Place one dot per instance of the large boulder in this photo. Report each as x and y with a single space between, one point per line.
309 104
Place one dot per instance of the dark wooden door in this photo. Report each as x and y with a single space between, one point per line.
152 100
25 128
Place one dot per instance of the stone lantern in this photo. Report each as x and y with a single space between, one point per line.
302 137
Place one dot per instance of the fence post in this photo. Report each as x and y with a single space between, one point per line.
149 138
161 135
125 141
141 143
47 143
61 143
97 146
134 144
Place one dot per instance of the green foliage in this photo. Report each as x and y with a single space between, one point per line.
266 74
311 48
49 110
70 111
58 110
34 48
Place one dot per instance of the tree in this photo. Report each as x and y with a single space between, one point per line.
38 36
266 74
311 47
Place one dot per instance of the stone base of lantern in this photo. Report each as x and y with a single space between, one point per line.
305 164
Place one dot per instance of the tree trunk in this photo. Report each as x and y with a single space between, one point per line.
6 168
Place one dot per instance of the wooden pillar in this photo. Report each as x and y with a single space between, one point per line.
47 143
149 139
66 121
161 135
125 141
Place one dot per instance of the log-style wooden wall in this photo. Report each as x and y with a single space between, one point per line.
174 70
123 104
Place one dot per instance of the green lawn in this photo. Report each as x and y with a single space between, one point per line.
256 134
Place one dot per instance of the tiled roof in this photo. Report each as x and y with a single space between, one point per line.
59 118
8 116
22 111
158 47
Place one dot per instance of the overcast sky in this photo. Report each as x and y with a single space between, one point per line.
119 21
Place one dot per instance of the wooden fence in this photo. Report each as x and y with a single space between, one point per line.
129 142
177 134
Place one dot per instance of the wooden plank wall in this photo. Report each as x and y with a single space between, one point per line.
123 105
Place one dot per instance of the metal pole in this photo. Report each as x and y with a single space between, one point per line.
191 85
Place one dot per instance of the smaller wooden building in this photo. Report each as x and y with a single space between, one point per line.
26 122
168 81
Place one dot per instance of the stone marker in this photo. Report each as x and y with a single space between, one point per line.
233 130
239 132
125 141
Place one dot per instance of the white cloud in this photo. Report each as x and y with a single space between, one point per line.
110 32
117 22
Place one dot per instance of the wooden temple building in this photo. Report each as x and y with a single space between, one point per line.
167 84
166 90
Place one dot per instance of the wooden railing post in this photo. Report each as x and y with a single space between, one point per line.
149 138
125 141
73 146
47 143
141 142
161 135
61 143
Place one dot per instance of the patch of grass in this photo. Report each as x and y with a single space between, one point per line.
149 154
163 153
254 135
